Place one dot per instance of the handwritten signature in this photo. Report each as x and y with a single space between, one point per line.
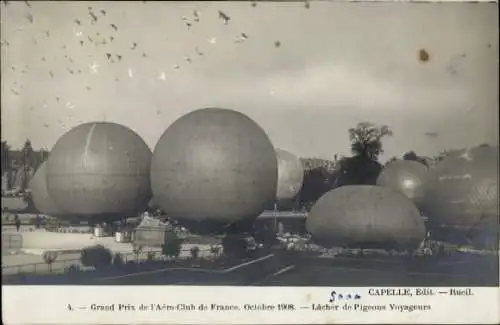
335 296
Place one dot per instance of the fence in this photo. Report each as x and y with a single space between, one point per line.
59 266
11 241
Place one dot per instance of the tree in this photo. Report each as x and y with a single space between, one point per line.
366 146
5 154
171 248
316 183
26 163
49 258
97 256
412 156
137 249
366 139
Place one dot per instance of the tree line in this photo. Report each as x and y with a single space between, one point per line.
20 164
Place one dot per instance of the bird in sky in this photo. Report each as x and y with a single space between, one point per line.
93 17
93 67
224 17
162 76
78 22
198 51
196 15
103 12
188 60
114 27
212 40
30 18
134 45
277 43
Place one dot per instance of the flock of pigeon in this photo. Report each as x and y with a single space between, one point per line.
99 40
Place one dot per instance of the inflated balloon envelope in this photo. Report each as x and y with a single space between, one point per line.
365 216
214 165
406 177
40 196
462 191
290 175
100 168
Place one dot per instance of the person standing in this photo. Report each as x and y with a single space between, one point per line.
17 222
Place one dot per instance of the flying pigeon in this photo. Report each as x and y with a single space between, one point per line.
93 17
307 5
277 43
177 67
93 67
114 27
198 51
196 15
58 99
119 57
81 43
47 33
254 4
108 55
212 40
103 12
188 24
27 3
224 17
162 76
51 74
188 60
30 18
134 45
88 88
14 92
144 55
130 74
242 38
78 22
111 38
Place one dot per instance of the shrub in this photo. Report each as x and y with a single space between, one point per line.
97 256
118 260
235 246
195 252
49 258
172 245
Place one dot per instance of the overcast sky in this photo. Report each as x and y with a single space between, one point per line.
337 64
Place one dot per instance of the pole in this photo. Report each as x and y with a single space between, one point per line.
275 221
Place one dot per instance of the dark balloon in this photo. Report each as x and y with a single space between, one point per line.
405 177
365 216
100 168
40 196
462 189
290 175
214 166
